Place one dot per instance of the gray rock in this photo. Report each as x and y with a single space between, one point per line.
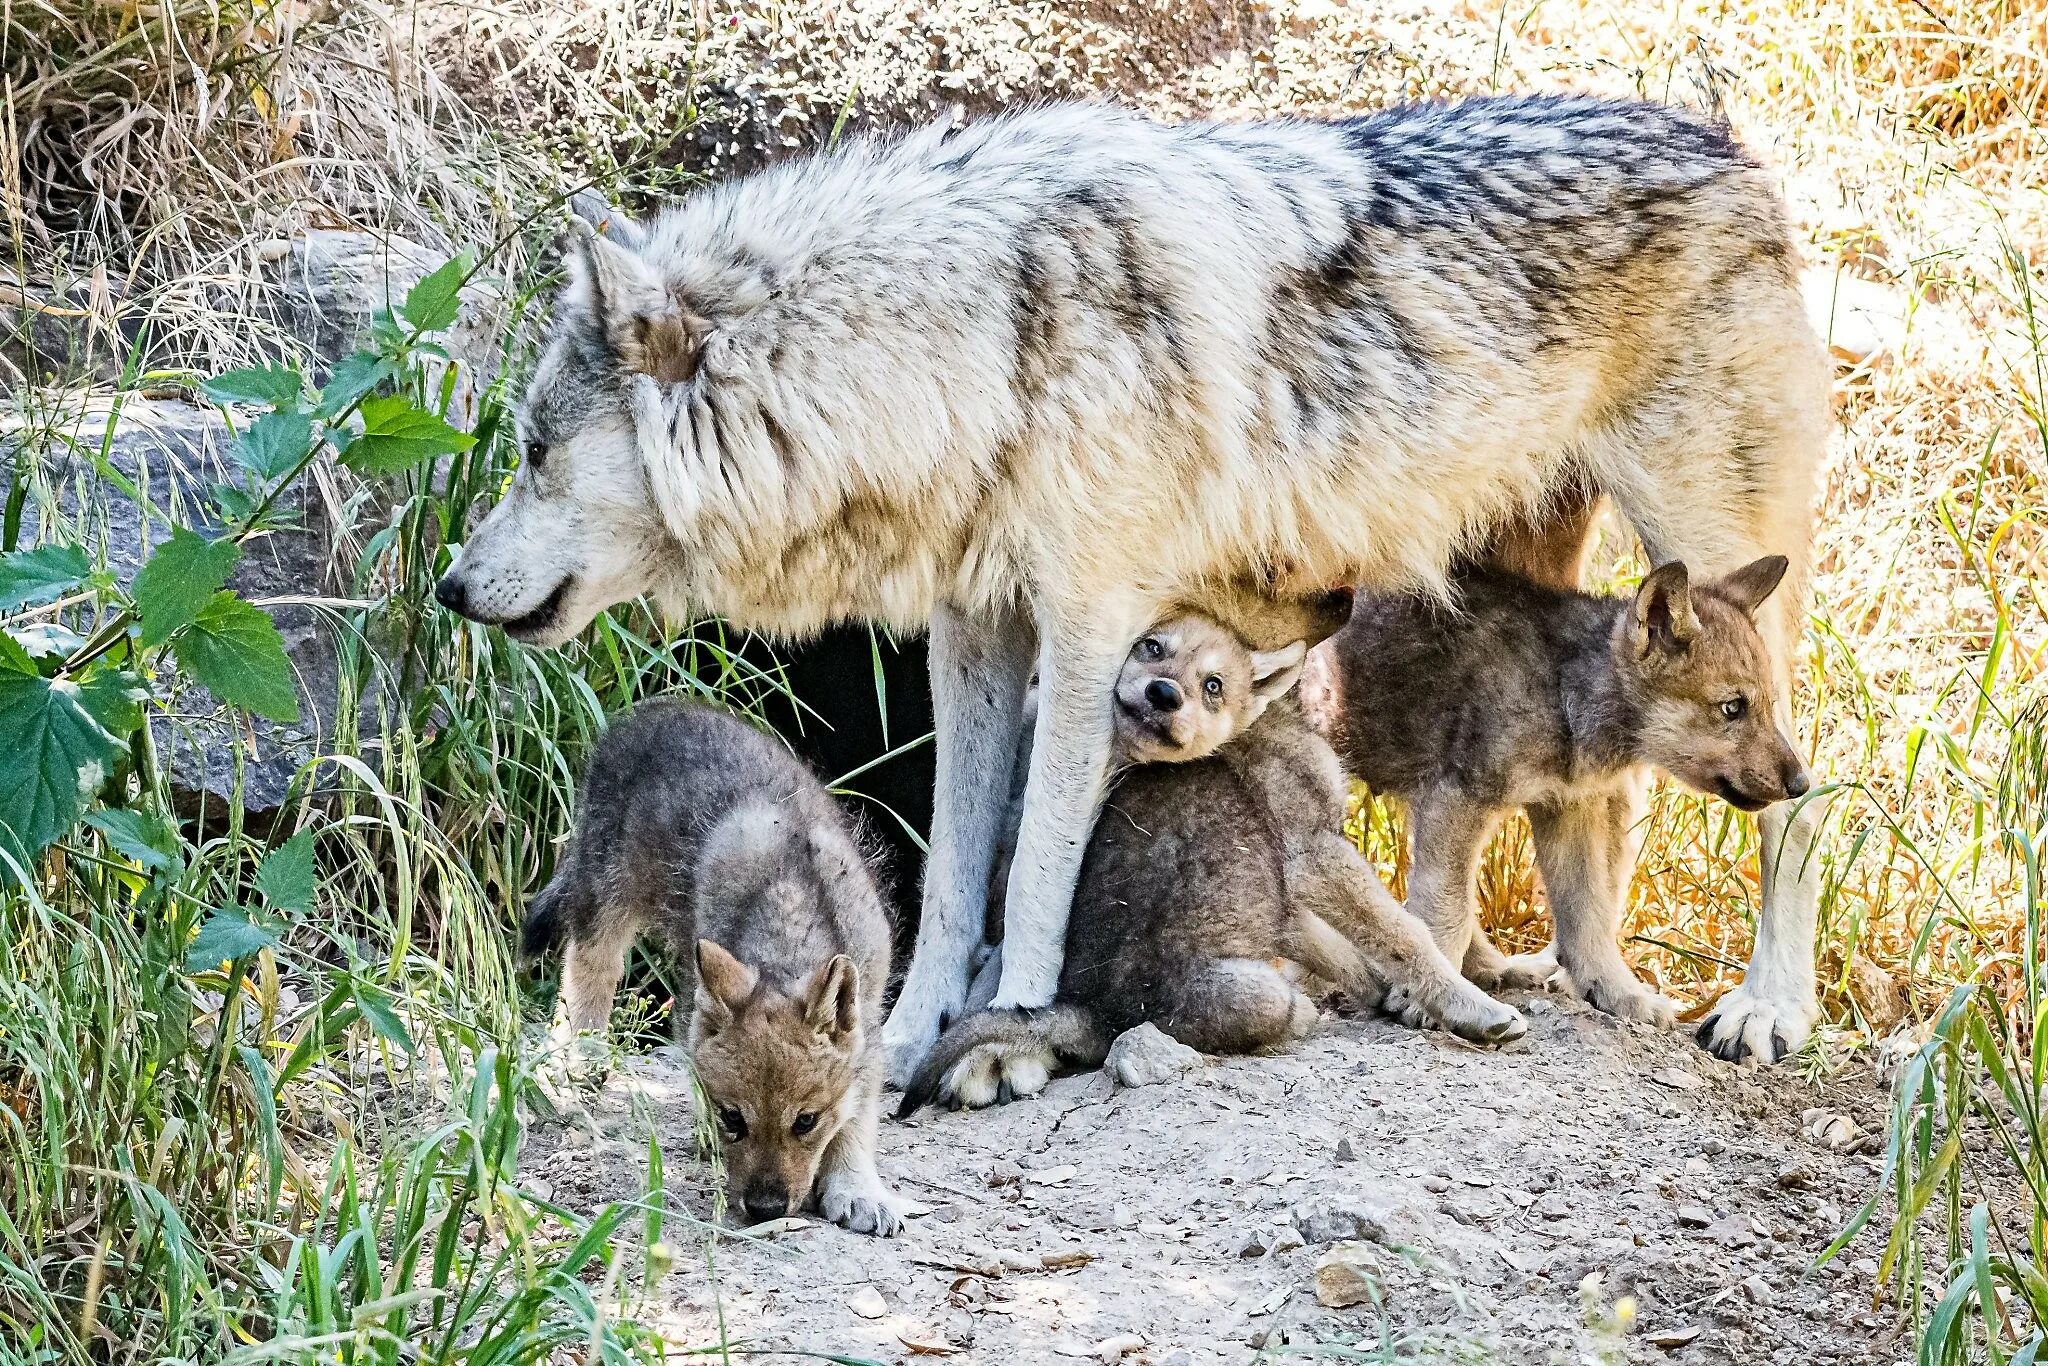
1330 1219
1145 1056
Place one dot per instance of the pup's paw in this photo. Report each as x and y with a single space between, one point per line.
1485 1021
1625 997
1527 972
1748 1026
860 1204
989 1076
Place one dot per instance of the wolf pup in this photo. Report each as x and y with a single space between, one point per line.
1041 375
693 823
1557 702
1218 866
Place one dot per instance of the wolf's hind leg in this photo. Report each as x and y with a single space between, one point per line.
1408 975
1236 1005
1447 834
591 968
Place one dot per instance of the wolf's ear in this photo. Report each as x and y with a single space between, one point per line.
648 330
723 985
832 1000
1663 616
1275 671
1748 586
609 220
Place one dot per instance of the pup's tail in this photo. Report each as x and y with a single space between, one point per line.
548 914
984 1053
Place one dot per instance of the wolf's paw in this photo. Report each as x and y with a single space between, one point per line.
1628 999
861 1205
1527 972
1473 1016
913 1027
988 1076
1748 1026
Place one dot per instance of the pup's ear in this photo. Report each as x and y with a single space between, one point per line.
832 1000
1663 615
1748 586
648 330
609 220
723 985
1275 671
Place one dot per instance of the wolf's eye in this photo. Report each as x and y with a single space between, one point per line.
1150 648
536 454
733 1122
803 1124
1213 686
1734 708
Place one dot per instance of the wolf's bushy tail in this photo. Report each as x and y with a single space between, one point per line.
1072 1034
550 916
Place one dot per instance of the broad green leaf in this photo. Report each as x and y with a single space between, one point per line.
273 444
57 757
114 698
181 577
15 656
278 386
353 376
46 640
224 937
142 835
285 876
235 651
38 575
433 303
396 436
376 1007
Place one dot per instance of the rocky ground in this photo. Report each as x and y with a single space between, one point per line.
1602 1193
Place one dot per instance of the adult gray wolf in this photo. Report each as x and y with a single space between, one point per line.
1557 702
1040 380
1219 855
693 823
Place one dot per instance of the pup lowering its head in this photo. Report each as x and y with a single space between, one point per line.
694 823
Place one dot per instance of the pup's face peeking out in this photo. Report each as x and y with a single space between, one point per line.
1703 679
778 1070
1190 685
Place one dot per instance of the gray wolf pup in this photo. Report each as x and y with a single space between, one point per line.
1045 379
1556 702
693 823
1212 863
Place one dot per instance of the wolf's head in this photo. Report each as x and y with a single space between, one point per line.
1190 685
1701 680
579 528
779 1069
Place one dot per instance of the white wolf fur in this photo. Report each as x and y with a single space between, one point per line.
1040 380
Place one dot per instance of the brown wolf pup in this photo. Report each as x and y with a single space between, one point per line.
693 823
1560 703
1217 867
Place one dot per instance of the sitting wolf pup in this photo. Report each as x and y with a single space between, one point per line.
1217 865
694 823
1558 702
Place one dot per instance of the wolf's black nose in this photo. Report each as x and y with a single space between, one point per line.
451 594
1163 695
763 1204
1797 784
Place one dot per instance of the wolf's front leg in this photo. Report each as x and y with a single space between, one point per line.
980 667
1078 665
850 1189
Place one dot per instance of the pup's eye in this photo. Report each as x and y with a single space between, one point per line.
803 1124
536 454
1213 686
1150 648
1734 708
733 1122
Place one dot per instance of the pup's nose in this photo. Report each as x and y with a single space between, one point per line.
1797 783
766 1202
1163 695
452 594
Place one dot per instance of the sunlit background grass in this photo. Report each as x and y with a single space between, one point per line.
304 1174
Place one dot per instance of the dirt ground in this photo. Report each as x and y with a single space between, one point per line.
1484 1207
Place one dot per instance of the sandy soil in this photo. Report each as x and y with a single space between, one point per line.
1470 1196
